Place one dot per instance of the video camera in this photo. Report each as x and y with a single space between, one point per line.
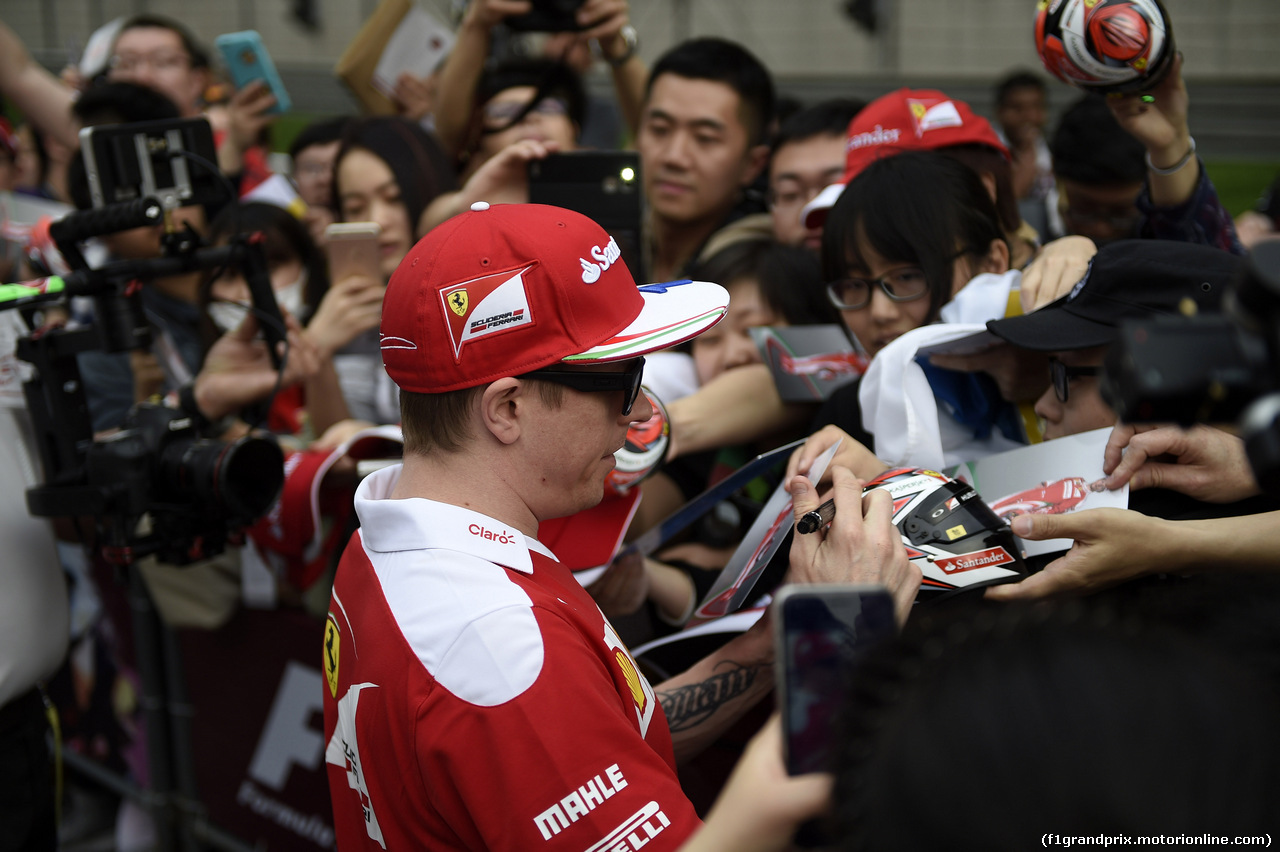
1219 368
195 490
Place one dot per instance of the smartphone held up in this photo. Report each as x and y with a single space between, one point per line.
820 630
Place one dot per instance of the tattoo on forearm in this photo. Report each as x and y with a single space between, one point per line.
689 706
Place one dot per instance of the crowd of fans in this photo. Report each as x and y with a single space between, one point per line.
905 221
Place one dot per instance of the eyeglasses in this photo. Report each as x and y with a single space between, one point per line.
1062 374
499 116
312 170
130 62
901 285
593 382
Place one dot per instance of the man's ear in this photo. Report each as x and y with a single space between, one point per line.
501 408
756 160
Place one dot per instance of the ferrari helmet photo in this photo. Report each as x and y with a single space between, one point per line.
644 451
951 535
1105 46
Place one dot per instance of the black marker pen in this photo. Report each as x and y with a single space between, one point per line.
819 517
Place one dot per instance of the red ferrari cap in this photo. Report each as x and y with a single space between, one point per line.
905 120
510 288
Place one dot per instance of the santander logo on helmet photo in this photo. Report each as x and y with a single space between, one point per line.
605 257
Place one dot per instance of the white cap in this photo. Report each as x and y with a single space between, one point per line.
815 212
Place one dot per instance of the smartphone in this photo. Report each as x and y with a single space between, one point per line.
601 185
820 630
247 60
547 16
353 249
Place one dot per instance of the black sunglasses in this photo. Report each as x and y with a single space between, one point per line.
1061 375
592 382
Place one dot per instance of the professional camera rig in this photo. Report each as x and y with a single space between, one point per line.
1213 368
197 491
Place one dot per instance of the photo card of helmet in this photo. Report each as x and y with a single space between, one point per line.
1050 478
809 362
732 589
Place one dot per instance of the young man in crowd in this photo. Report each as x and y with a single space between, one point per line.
1021 115
808 156
162 54
703 140
313 153
476 696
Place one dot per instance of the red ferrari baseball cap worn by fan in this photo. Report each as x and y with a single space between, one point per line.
905 120
506 289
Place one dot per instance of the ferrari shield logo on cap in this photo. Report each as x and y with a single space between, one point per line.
458 302
932 116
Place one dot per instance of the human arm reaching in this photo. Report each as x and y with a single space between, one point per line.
761 805
736 407
460 72
1114 545
43 98
238 369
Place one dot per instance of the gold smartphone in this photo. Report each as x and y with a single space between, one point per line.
353 249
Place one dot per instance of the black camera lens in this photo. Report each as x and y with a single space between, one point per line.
239 479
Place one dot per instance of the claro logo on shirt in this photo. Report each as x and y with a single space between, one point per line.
502 537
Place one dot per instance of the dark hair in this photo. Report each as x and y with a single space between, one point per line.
1090 146
284 239
199 57
918 207
1028 717
118 102
108 102
416 160
789 277
548 77
825 118
723 61
320 132
1020 79
984 159
442 421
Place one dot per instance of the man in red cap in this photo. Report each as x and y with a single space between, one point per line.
476 697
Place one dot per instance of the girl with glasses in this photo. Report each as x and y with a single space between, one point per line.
915 241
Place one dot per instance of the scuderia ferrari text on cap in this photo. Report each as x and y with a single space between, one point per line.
506 289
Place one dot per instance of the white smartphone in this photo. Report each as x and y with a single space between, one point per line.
352 249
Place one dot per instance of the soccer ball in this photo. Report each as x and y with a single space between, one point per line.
1105 46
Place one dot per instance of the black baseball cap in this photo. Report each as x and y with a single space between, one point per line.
1127 279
